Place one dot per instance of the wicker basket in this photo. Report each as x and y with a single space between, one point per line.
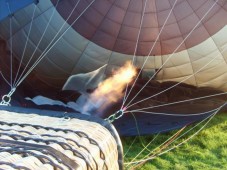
32 141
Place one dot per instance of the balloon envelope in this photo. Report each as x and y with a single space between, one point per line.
184 40
189 34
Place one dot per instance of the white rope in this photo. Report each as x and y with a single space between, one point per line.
7 98
13 86
129 148
136 47
11 46
172 114
40 40
25 47
145 147
144 159
53 37
182 101
42 56
160 32
174 51
132 161
174 147
180 81
210 118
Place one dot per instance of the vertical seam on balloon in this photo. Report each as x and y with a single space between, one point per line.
170 57
211 37
46 51
90 41
139 32
155 57
112 51
186 47
26 43
159 26
136 47
37 47
223 5
11 45
36 17
152 77
216 77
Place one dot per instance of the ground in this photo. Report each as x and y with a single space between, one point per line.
207 150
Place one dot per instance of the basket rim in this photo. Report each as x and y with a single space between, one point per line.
76 115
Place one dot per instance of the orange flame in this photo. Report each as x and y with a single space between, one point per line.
111 90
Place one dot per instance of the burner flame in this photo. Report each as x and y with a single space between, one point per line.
110 90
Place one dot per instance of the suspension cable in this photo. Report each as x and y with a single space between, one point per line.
180 81
174 51
5 100
209 119
177 102
158 36
136 47
44 32
42 56
11 45
25 47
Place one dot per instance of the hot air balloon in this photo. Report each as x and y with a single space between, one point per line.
178 46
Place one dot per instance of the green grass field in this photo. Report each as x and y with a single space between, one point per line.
207 150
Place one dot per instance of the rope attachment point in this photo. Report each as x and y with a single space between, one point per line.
115 116
6 99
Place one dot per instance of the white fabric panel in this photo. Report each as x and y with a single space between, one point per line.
175 59
178 71
76 40
56 63
219 38
185 79
176 66
224 53
153 62
208 52
46 68
219 82
97 52
22 18
139 60
202 50
213 76
207 62
119 59
19 40
92 58
221 41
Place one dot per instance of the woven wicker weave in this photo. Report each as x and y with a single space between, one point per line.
31 141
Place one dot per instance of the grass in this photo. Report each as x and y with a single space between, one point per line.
205 151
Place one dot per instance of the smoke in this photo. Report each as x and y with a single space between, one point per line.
110 90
